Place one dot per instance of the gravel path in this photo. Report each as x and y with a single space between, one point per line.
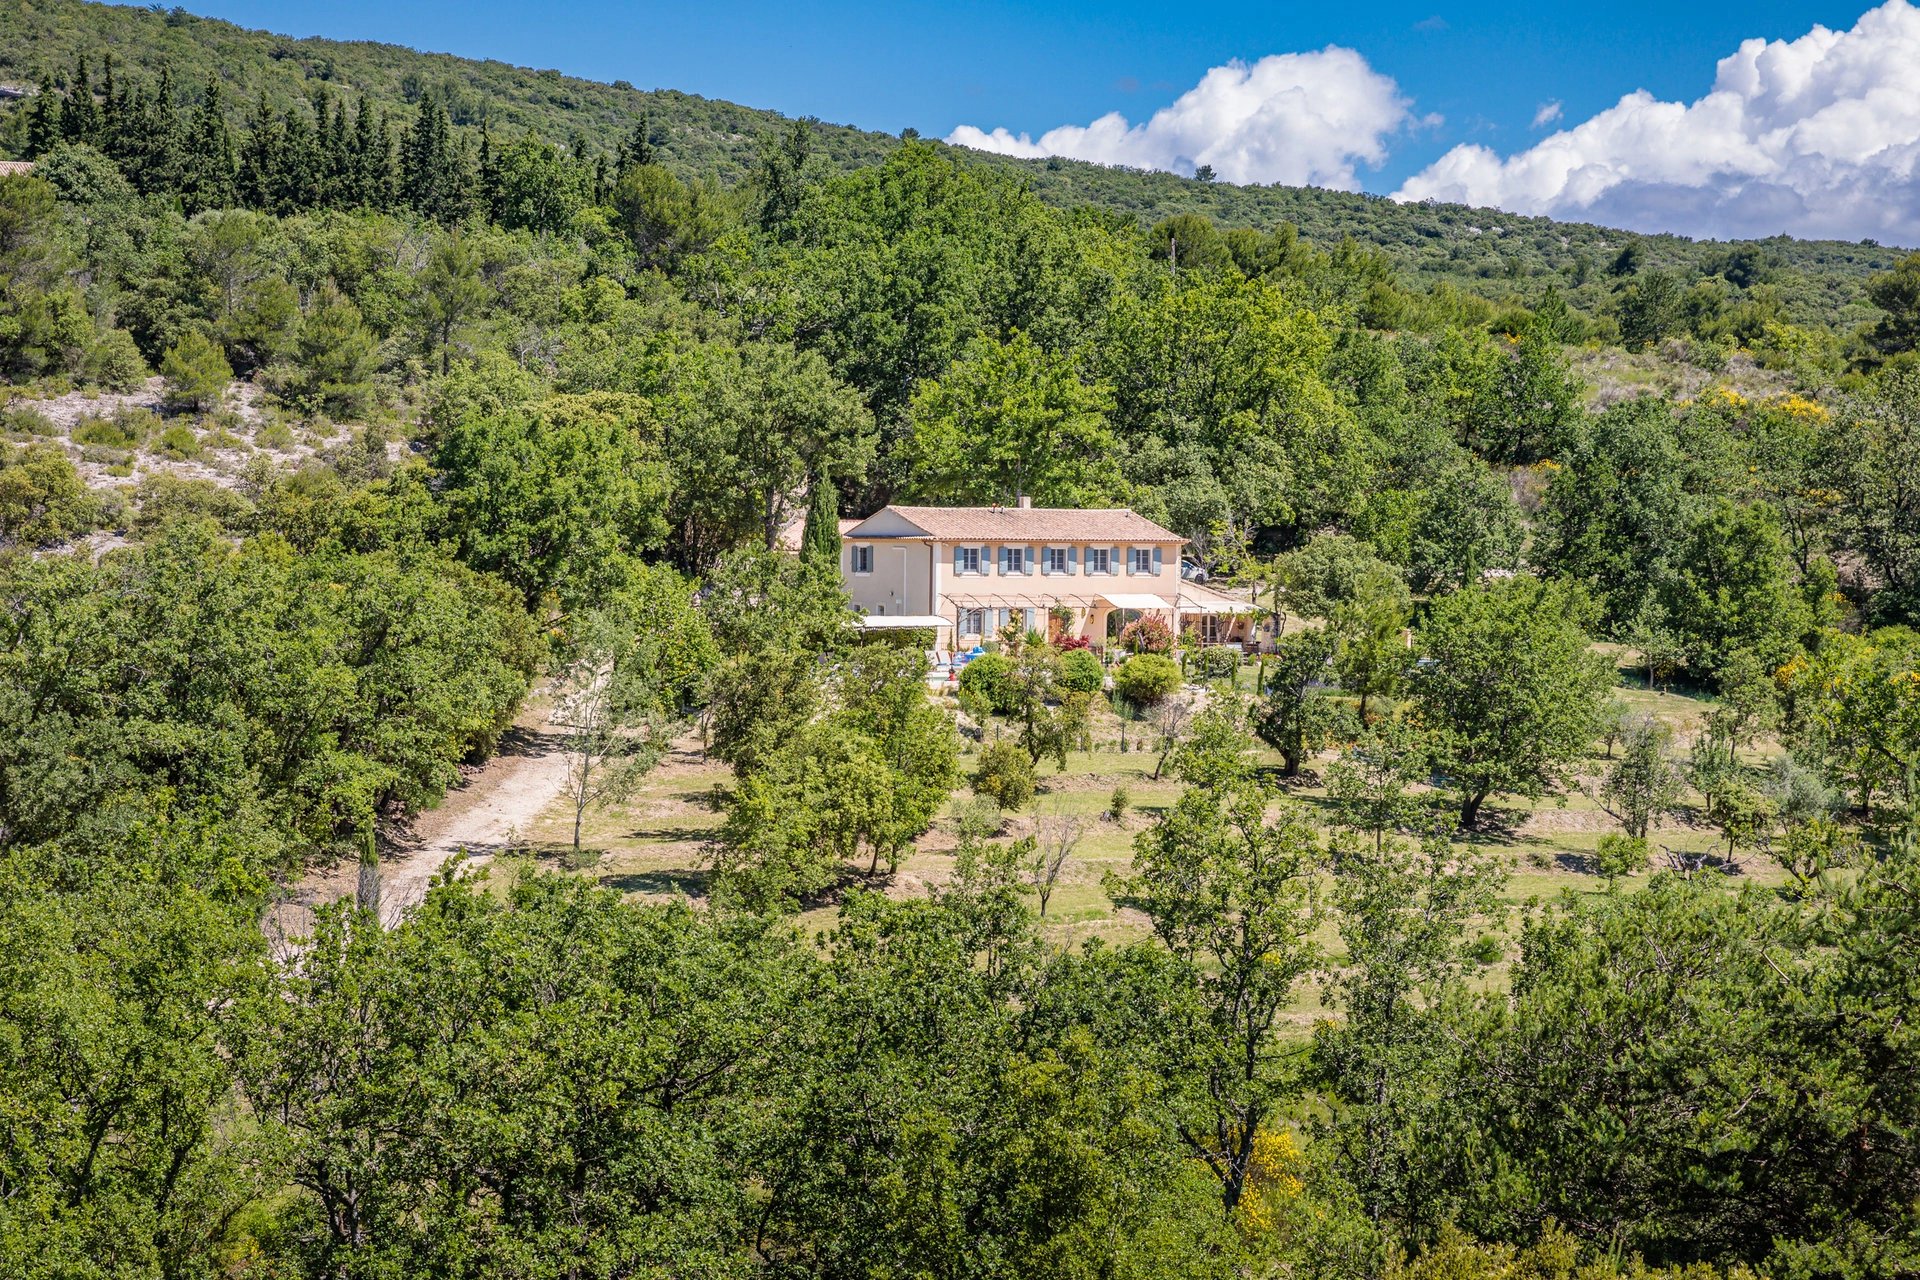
487 813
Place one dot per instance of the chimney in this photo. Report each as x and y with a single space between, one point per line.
1026 503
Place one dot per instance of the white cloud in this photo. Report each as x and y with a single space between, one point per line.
1818 136
1547 114
1305 119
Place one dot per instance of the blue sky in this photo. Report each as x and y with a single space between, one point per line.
1485 71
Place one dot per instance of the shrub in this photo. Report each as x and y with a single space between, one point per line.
196 372
1217 663
1147 678
1067 644
1081 672
1485 949
987 682
1146 635
1117 804
104 431
42 498
1619 855
114 362
1005 775
179 441
277 436
978 819
28 422
163 496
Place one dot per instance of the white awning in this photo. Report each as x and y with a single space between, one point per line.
1125 600
900 621
1211 603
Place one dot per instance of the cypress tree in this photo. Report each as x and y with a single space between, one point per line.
359 180
489 176
820 536
80 122
43 122
336 158
158 160
299 164
383 181
638 147
782 162
206 180
259 181
113 112
433 170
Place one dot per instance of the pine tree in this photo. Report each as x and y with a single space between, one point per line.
43 122
80 122
206 180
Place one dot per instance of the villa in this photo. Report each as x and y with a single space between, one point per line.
1071 573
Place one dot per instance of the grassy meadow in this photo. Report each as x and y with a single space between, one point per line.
654 845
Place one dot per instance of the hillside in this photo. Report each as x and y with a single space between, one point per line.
1493 254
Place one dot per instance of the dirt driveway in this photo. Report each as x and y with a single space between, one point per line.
492 809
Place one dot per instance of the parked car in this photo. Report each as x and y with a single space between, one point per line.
1192 572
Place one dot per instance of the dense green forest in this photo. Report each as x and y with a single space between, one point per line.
1482 251
356 400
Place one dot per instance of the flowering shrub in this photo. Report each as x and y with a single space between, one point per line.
1146 635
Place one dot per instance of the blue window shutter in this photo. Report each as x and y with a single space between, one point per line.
1156 559
958 559
1033 555
1073 559
1001 567
1113 560
1128 553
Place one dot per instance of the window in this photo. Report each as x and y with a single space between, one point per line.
1056 561
971 622
1099 560
863 559
1016 559
966 560
1142 559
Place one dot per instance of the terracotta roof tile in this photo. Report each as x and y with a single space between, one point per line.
1035 524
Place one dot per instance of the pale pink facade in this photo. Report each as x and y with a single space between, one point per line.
975 568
